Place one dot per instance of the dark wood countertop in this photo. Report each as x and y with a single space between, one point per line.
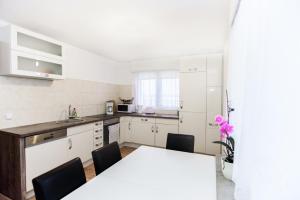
36 129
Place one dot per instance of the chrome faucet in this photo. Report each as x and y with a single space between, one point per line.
72 113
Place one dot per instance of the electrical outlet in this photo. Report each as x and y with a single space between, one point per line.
8 116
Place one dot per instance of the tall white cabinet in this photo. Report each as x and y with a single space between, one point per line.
201 100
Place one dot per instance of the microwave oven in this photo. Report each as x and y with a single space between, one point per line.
126 108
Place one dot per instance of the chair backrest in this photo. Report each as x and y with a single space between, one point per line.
60 181
106 156
180 142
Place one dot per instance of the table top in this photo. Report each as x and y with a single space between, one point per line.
154 174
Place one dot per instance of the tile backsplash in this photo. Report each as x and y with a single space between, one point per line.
30 101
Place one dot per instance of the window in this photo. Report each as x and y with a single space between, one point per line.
158 89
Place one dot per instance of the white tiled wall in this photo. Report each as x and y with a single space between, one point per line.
34 101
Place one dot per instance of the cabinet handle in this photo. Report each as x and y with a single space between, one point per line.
152 129
97 131
157 129
70 144
146 120
181 120
181 104
213 125
129 126
97 138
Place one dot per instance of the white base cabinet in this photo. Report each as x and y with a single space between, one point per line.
163 127
147 131
125 129
143 131
79 142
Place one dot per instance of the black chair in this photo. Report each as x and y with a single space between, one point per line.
180 142
60 181
106 156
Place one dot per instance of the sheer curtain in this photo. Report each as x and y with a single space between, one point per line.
159 89
263 84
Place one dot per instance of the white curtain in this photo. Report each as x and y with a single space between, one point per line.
263 85
159 89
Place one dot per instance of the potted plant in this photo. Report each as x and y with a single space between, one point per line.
228 142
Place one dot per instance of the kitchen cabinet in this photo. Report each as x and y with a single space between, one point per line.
192 64
125 129
214 107
194 124
44 157
98 135
214 70
162 128
81 142
193 92
212 134
28 54
143 131
81 145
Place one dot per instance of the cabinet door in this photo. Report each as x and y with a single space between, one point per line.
193 92
162 131
214 105
194 124
143 133
125 129
81 145
44 157
214 70
211 136
193 64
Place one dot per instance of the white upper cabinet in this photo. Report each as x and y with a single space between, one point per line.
193 92
190 64
214 70
29 54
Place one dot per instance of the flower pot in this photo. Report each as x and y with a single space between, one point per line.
227 169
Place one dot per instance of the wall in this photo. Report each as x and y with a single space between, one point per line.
90 81
264 86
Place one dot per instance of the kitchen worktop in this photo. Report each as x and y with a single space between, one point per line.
35 129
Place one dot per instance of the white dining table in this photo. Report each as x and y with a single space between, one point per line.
151 173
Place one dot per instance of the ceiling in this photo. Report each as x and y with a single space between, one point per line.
126 30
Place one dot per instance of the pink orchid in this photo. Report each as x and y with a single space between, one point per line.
226 129
223 127
219 119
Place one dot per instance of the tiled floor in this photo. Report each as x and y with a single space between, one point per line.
224 187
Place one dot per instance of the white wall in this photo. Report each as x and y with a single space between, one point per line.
264 86
90 81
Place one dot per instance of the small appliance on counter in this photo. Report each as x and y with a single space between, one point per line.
109 108
126 108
